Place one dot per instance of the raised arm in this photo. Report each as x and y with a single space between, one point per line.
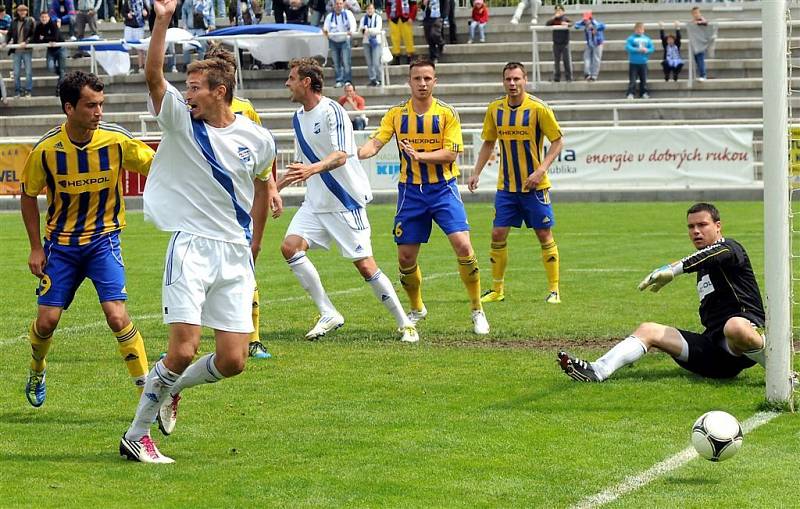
154 65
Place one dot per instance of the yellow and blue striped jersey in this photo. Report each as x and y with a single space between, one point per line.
84 184
241 106
521 131
437 128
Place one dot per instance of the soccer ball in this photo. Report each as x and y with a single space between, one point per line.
717 435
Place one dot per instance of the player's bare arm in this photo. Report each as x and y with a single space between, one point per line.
299 172
154 65
483 157
274 199
370 148
259 215
536 177
30 216
441 156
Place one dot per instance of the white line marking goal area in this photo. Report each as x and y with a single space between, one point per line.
634 482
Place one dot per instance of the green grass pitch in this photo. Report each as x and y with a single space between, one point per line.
360 420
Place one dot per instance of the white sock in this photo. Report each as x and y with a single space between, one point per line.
309 279
627 351
159 381
757 355
202 371
384 292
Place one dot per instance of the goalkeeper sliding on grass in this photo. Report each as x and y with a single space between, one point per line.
730 309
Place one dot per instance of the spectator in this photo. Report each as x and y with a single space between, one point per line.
560 44
338 28
21 32
5 21
535 4
47 32
371 27
135 13
106 11
432 24
672 62
401 15
242 12
351 5
198 18
639 47
594 34
351 101
701 37
63 12
316 12
5 24
480 16
296 11
85 15
449 22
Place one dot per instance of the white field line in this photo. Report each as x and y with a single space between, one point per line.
635 482
437 275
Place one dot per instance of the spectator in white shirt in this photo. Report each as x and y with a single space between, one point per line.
338 28
371 26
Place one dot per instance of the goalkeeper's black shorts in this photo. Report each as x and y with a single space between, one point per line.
708 358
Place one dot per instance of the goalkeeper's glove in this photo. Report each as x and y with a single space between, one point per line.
661 276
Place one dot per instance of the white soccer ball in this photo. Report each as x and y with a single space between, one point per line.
717 435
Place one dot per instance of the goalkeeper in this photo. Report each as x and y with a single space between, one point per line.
730 309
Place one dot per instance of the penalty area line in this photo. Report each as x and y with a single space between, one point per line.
634 482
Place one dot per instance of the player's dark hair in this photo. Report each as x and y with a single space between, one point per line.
217 72
421 62
705 207
515 65
69 88
309 68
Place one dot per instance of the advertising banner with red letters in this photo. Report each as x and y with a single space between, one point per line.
668 157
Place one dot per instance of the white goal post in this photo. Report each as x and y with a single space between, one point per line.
777 231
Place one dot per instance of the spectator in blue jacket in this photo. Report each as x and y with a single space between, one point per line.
593 33
639 47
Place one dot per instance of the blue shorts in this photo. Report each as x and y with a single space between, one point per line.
68 266
419 205
511 209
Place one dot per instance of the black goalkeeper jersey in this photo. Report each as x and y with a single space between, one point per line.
726 284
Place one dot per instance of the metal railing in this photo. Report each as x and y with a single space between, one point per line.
613 109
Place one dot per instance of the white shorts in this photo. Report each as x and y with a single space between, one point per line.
349 229
208 282
133 34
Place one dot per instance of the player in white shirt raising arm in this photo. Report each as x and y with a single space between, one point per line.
337 193
210 169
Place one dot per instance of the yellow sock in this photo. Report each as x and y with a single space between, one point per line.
551 264
471 276
498 256
131 348
40 345
255 336
411 279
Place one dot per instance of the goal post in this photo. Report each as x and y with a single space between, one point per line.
777 231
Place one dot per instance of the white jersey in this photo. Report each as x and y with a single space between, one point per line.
201 179
319 132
